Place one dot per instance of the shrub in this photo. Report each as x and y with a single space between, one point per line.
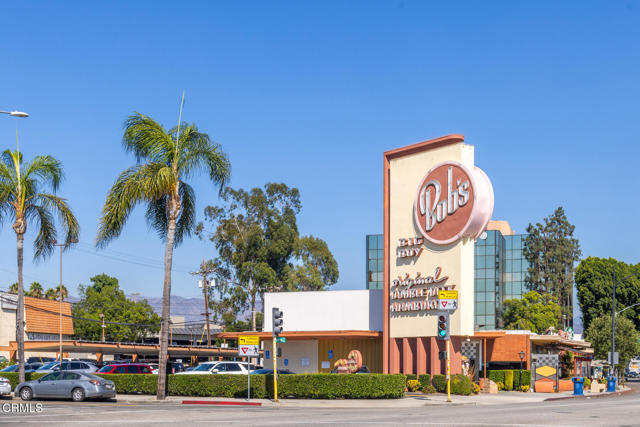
439 383
587 383
411 377
500 385
215 385
508 380
460 384
425 380
337 386
475 388
524 388
428 389
413 385
497 376
134 383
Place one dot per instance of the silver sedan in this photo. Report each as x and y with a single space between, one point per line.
64 384
5 386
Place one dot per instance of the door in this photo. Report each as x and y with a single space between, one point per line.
46 387
65 384
234 368
133 369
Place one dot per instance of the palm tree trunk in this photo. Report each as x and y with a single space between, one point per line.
20 311
166 310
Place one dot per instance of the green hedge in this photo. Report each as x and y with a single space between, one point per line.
508 380
338 386
411 376
460 384
502 375
424 379
302 386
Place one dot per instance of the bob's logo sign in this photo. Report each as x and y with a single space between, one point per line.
453 202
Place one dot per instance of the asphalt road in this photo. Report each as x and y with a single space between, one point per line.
607 411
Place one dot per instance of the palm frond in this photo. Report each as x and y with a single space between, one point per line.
198 154
142 183
46 238
46 169
156 216
147 139
187 220
59 206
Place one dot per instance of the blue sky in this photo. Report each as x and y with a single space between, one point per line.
312 93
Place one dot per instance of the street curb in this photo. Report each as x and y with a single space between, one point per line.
615 393
220 402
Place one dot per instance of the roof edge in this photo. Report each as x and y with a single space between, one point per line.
424 145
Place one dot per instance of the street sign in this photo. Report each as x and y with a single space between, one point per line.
248 350
447 294
616 358
281 339
249 340
447 304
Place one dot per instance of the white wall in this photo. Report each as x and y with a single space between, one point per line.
326 310
294 352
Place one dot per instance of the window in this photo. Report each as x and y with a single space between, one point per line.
119 370
133 369
51 377
221 367
65 366
144 370
70 376
75 366
233 367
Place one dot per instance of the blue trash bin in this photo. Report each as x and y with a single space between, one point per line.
611 384
578 386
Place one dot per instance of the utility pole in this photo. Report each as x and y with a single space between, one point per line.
102 317
613 323
204 272
135 296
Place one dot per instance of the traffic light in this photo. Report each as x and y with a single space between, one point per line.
443 326
276 318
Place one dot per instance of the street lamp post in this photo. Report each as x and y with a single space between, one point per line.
61 245
15 113
102 317
521 354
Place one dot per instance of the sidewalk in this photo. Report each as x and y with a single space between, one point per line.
409 401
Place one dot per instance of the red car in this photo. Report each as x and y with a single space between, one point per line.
125 368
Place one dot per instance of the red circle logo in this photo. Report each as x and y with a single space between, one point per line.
444 203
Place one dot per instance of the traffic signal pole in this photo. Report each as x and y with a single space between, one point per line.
448 371
275 371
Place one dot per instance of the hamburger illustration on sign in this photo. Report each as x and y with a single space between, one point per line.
453 202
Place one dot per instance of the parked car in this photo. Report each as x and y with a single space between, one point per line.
41 360
233 368
67 384
28 367
70 366
46 368
126 368
91 361
172 367
270 372
5 386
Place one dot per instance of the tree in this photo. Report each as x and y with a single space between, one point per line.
552 251
104 296
165 160
594 281
35 290
54 293
13 289
533 312
260 250
599 335
24 199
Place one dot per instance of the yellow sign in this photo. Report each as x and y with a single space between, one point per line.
248 340
447 294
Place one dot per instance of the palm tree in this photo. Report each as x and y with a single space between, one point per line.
164 160
35 290
22 199
13 289
51 294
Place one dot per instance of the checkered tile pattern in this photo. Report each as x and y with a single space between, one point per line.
470 349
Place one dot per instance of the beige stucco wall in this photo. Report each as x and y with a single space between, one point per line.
456 260
294 352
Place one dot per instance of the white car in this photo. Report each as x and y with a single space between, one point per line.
234 368
5 386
